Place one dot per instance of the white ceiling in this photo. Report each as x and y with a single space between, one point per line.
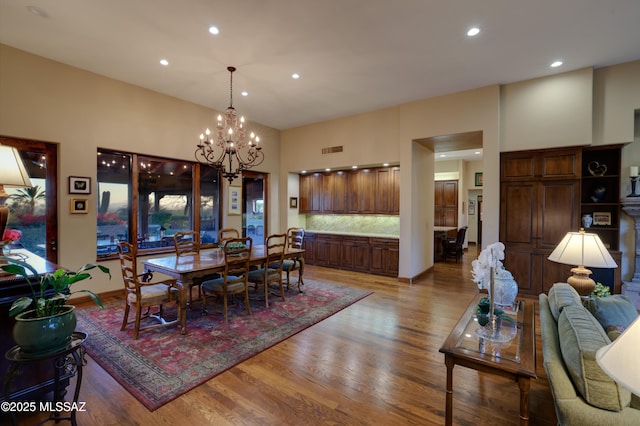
353 55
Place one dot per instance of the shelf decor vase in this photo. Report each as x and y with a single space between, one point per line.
505 287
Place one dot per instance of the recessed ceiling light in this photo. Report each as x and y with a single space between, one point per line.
473 31
295 76
303 172
164 62
354 167
327 169
37 11
244 93
556 64
214 30
385 164
443 155
477 152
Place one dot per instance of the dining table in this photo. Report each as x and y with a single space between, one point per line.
207 262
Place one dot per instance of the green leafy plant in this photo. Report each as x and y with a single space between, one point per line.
601 290
482 312
57 283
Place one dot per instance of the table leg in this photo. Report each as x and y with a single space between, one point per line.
524 383
184 289
300 272
448 360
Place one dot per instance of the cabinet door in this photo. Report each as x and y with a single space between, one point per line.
353 204
559 211
367 187
384 191
327 251
340 192
305 194
328 189
309 246
395 183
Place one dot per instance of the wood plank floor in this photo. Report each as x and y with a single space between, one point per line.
375 362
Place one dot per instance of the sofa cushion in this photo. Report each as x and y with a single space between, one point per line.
561 295
581 335
614 313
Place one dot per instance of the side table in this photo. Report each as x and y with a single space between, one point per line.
66 362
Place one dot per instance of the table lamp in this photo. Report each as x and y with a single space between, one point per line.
12 173
620 358
582 249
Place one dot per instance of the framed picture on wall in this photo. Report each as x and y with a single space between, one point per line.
293 202
79 185
472 207
235 200
602 218
479 179
79 205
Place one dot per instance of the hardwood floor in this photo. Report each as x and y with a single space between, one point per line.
375 362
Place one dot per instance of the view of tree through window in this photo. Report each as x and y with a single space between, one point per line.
163 203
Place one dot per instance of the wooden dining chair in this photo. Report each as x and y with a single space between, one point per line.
295 238
234 279
141 292
227 234
186 242
271 270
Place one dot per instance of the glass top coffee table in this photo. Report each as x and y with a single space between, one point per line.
514 357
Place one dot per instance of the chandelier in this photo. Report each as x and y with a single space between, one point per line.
228 149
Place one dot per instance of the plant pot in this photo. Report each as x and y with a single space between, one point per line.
43 336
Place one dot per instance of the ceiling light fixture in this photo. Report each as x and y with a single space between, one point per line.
295 76
556 64
164 62
214 30
473 31
229 145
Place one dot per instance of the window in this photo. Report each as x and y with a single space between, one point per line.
152 198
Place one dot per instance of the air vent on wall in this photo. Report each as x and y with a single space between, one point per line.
332 149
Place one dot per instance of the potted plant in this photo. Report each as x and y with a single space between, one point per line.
44 323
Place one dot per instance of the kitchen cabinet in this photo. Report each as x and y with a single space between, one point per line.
446 204
384 256
543 194
365 191
354 253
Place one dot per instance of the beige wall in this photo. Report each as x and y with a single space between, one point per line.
81 111
547 112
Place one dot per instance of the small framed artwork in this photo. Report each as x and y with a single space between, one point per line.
79 205
293 202
472 207
602 218
235 200
79 185
479 179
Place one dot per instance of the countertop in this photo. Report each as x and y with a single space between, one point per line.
354 234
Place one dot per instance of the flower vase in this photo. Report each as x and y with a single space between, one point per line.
506 290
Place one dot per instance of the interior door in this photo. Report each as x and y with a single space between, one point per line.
254 206
34 211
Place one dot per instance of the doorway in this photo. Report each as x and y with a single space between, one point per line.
33 211
254 205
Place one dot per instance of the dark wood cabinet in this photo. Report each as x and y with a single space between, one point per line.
384 256
542 197
446 203
311 193
354 253
366 191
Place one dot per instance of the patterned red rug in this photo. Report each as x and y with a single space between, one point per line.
209 347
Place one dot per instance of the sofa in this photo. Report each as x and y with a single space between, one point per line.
572 330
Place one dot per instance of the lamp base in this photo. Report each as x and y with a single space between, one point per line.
581 282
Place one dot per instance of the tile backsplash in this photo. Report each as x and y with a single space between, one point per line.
369 224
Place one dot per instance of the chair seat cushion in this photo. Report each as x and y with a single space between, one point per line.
153 294
290 265
217 285
258 275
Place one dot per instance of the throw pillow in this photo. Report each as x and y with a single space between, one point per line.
581 335
561 295
614 313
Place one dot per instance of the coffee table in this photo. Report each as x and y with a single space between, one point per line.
515 359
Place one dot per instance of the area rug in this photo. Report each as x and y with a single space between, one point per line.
162 364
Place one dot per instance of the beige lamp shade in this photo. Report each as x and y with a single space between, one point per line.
620 358
12 173
12 169
582 249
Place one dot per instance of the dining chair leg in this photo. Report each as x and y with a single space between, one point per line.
126 316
